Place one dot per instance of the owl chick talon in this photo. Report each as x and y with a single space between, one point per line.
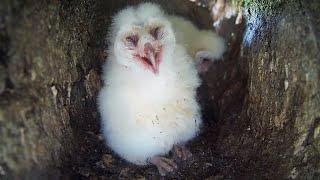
181 152
163 164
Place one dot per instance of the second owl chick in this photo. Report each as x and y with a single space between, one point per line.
200 44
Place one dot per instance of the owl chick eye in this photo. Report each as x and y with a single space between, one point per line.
156 32
131 41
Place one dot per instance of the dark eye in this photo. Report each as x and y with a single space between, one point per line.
156 32
132 40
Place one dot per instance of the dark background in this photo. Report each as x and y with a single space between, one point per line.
261 102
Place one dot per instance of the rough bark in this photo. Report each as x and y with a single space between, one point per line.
51 65
261 104
277 132
51 53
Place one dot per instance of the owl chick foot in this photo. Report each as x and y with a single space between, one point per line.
163 164
181 152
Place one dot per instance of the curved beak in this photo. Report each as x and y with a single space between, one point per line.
151 55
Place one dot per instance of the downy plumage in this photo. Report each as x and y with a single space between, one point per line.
148 102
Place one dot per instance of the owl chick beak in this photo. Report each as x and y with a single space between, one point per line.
152 57
149 56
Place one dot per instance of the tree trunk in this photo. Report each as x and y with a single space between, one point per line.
277 132
263 117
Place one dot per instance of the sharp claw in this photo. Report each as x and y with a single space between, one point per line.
177 151
181 152
162 172
171 164
163 164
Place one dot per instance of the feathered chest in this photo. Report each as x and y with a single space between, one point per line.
150 100
150 89
139 89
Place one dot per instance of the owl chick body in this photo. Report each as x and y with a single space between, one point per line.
145 116
148 102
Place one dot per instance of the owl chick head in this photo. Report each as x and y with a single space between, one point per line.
142 37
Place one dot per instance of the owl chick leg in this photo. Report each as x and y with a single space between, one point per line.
181 152
163 164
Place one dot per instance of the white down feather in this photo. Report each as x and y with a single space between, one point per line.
144 115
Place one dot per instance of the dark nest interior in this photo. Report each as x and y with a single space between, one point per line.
221 96
260 102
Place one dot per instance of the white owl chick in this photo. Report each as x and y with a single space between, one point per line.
148 103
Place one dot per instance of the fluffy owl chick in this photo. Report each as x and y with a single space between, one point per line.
148 103
200 44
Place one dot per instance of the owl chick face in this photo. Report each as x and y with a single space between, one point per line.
144 38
